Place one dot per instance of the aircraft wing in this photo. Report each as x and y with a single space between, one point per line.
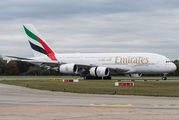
48 64
42 63
83 69
120 70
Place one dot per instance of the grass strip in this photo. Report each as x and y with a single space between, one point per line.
149 88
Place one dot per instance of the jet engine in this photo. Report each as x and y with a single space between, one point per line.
68 68
134 75
99 71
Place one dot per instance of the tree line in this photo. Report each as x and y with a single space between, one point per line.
24 68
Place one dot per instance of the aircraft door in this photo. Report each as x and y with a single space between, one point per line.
158 63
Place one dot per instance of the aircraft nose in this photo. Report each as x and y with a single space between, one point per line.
174 67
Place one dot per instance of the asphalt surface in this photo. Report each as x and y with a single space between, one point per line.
25 103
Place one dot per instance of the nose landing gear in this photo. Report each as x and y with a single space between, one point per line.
164 76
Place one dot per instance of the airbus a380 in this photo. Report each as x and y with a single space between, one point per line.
93 65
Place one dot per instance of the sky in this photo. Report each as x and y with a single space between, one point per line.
92 26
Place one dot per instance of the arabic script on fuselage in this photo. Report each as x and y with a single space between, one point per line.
105 59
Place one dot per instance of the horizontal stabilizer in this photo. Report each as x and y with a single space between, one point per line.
19 58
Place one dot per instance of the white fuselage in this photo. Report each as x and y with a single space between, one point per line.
145 63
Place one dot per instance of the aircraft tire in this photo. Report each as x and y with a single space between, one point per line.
107 78
97 78
164 78
92 78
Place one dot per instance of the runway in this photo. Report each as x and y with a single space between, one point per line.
24 103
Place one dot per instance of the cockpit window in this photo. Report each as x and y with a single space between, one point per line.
168 61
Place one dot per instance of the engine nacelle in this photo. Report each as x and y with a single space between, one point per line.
134 75
68 68
99 71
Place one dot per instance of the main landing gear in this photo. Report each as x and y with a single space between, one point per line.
92 78
97 78
107 78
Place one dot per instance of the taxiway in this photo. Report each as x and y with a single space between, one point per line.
25 103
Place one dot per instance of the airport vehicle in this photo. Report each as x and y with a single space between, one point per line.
93 65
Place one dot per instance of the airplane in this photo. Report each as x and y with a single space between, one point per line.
93 65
